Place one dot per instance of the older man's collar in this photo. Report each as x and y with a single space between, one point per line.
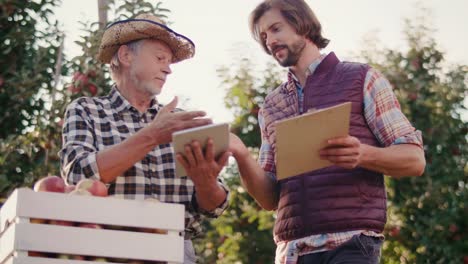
121 104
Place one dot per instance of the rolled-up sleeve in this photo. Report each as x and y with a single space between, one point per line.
218 210
266 155
78 153
383 113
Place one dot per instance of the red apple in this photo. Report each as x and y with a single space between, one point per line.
118 260
69 188
413 96
67 256
64 256
152 199
98 259
37 254
254 111
91 73
80 192
60 122
453 228
96 188
38 221
92 89
416 63
152 230
77 257
50 184
73 89
61 223
81 80
90 225
115 227
76 75
394 231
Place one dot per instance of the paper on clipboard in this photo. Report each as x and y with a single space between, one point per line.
218 132
299 139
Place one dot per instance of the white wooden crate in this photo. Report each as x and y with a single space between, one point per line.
18 235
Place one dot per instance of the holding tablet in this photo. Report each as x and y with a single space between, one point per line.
219 133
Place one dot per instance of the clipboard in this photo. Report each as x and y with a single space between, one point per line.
299 139
218 132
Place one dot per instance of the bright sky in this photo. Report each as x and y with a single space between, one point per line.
217 27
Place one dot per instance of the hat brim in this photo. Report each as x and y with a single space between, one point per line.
125 31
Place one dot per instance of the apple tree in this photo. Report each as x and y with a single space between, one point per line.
427 215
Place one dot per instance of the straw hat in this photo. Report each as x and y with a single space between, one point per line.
143 26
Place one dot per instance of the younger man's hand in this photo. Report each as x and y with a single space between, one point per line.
345 152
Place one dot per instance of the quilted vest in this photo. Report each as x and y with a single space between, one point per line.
331 199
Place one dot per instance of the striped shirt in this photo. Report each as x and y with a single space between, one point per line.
388 124
93 124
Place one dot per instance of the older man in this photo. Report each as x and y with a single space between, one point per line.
123 139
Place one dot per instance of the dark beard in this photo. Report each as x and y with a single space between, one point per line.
294 53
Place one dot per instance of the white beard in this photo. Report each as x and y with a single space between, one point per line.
143 86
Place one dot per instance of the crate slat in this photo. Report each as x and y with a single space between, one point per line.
18 235
36 260
90 209
92 242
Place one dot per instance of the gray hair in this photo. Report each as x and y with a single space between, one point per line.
134 46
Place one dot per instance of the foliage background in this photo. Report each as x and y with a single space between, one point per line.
427 215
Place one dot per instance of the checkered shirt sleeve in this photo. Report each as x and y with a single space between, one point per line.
78 155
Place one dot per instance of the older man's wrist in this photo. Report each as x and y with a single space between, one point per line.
210 187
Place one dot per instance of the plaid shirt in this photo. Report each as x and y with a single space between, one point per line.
93 124
388 124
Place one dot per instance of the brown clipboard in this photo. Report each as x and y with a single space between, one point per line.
299 139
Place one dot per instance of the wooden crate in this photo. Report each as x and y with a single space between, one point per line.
19 234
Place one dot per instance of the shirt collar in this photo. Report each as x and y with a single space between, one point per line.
121 104
310 70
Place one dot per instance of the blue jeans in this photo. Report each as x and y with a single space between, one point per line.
360 249
189 253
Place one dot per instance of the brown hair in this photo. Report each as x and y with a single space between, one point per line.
297 13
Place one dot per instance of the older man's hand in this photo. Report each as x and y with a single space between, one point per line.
167 122
202 168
